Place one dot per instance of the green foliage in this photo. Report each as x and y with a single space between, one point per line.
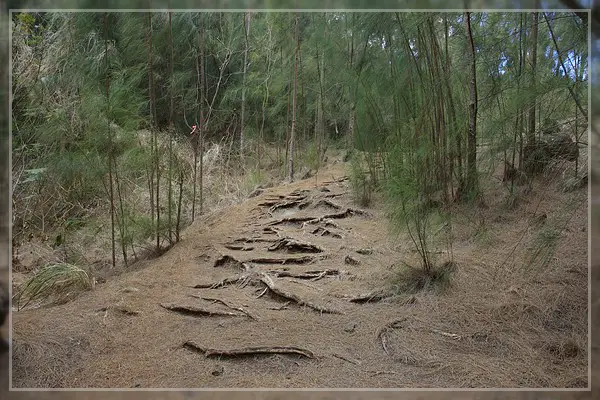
401 78
360 183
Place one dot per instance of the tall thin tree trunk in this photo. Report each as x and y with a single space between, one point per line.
179 201
472 184
243 121
202 124
531 130
562 64
110 145
170 187
152 119
294 98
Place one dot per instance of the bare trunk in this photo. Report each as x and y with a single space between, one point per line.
243 123
178 222
170 187
110 145
562 64
151 103
531 131
202 124
472 185
294 98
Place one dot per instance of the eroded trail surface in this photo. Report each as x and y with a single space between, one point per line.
293 289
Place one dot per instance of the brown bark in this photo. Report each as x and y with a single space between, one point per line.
294 100
471 181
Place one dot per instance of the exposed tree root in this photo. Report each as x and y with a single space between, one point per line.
248 351
328 203
372 297
269 203
228 260
333 195
225 282
214 300
268 280
381 333
284 204
294 246
238 247
197 311
299 192
350 360
284 306
290 220
304 204
312 275
345 178
290 260
375 373
255 240
326 232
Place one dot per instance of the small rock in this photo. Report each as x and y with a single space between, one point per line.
365 252
218 371
540 219
351 260
351 328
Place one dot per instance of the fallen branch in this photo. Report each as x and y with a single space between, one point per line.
214 300
268 280
197 311
247 351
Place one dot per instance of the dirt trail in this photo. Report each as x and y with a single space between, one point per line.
302 274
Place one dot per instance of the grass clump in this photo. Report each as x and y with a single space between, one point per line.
54 284
435 278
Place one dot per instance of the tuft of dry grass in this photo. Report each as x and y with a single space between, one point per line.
54 283
436 278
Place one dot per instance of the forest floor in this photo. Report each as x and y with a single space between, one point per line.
303 270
